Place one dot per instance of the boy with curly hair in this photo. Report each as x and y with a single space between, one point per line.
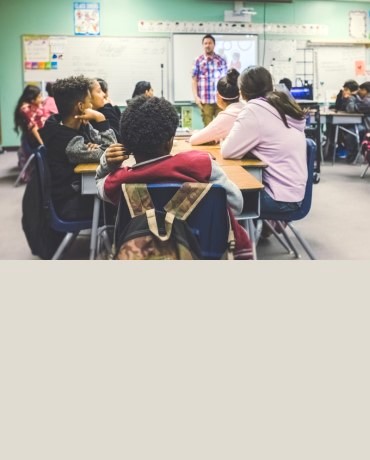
70 139
147 129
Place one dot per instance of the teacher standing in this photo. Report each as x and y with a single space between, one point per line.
208 68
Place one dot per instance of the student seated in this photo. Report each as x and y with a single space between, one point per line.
143 87
228 101
346 94
99 102
287 82
70 139
147 128
345 101
271 128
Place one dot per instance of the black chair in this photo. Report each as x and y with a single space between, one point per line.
209 221
71 228
299 213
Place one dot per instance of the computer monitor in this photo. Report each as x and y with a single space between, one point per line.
302 92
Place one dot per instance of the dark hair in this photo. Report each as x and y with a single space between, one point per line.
287 83
29 93
141 87
256 81
209 36
49 88
147 123
227 86
68 92
103 85
365 86
352 85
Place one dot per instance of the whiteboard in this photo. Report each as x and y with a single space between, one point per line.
121 61
336 64
187 47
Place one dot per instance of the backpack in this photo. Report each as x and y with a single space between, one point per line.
41 238
161 235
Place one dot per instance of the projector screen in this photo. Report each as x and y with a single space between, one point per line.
239 50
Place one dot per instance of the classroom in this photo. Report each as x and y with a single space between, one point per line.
316 44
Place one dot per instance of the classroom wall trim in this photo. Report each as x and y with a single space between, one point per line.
232 27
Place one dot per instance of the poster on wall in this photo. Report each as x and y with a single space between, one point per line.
87 18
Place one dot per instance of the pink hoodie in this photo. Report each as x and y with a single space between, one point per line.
260 130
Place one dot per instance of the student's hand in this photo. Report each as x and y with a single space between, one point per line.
346 93
115 154
91 146
91 115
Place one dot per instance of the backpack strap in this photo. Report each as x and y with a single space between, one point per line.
186 199
153 225
137 198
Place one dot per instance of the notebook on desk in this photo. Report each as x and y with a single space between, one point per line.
183 132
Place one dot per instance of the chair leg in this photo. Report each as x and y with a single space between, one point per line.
363 174
288 240
278 237
30 158
103 237
252 235
302 241
67 241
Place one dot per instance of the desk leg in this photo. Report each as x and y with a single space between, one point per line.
252 235
94 228
335 142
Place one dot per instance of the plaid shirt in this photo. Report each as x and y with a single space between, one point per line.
208 71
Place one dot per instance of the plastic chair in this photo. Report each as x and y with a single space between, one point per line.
298 214
209 221
71 228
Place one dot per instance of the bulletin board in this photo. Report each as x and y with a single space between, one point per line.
121 61
187 47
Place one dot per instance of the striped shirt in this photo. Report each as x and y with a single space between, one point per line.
208 70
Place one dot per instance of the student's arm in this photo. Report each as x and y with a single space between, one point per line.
233 194
212 132
359 105
111 159
80 151
243 137
35 132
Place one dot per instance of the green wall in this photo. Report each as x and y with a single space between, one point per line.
120 18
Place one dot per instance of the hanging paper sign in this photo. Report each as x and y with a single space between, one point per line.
87 18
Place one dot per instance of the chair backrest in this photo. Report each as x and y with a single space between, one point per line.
44 176
307 200
45 186
209 221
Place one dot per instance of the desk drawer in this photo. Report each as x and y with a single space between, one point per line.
88 184
347 120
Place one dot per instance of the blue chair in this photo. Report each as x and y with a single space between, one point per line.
71 228
209 221
300 213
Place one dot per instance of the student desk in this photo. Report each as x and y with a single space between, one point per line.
242 178
339 120
253 165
